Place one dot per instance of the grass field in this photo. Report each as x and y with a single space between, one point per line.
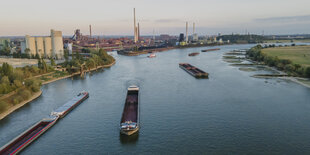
297 54
288 41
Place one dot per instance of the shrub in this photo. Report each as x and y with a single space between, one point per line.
3 106
24 93
15 101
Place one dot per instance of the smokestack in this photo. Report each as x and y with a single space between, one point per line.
193 28
186 32
135 27
138 31
90 31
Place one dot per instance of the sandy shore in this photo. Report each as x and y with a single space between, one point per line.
12 109
38 94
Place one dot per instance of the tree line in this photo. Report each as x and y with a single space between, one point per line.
92 60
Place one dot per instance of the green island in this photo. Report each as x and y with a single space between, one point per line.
21 85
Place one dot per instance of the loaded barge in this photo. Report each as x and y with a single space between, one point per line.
193 54
213 49
34 132
30 135
130 118
192 70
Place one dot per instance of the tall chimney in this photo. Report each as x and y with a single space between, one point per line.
90 31
186 32
193 28
135 27
138 31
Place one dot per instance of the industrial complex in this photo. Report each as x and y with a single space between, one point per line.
55 45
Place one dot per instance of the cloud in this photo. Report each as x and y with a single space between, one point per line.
304 18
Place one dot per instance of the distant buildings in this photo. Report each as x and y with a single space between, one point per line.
47 47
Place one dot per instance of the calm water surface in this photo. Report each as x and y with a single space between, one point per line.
230 112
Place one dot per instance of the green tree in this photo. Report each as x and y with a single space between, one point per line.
39 64
66 54
53 62
6 69
44 66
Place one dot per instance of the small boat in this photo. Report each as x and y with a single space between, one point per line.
213 49
27 137
193 54
130 118
66 108
152 55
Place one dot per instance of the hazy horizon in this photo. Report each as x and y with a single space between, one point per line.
35 17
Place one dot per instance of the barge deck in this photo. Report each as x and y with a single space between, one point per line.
130 118
26 138
213 49
194 71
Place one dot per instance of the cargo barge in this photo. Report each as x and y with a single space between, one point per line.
30 135
66 108
193 54
130 118
192 70
34 132
213 49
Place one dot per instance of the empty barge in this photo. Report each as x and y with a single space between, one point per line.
30 135
130 118
213 49
66 108
192 70
34 132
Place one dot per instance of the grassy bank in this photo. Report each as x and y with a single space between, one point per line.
288 41
294 61
297 54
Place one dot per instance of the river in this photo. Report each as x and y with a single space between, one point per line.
231 112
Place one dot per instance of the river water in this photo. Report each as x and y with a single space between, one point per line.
231 112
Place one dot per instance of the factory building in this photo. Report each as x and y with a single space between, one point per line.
48 47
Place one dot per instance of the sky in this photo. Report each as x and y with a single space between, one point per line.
115 17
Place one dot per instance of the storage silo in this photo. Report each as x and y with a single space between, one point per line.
57 44
30 44
47 47
39 46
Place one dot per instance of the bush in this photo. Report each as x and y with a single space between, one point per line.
3 106
15 101
24 93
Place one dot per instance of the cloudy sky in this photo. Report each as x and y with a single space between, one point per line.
115 17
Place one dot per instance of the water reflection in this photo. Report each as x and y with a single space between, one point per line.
132 139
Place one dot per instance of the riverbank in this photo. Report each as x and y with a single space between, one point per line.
136 53
38 94
15 107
